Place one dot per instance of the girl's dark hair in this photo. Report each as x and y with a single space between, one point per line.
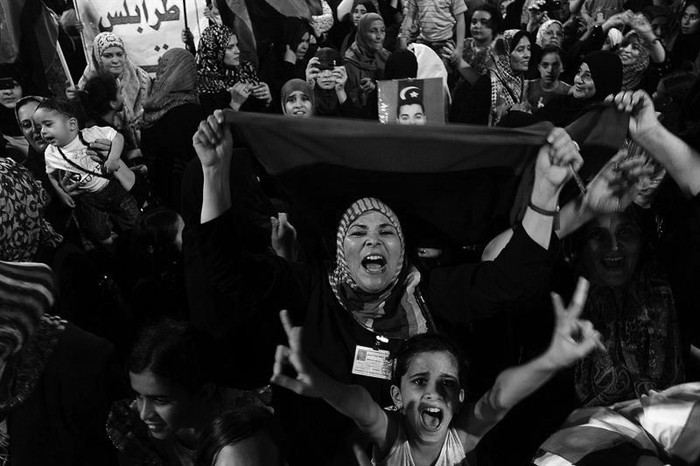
97 96
426 343
60 105
293 29
546 50
695 3
368 4
153 238
496 17
168 350
65 107
235 426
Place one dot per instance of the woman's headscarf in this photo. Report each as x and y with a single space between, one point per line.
8 124
27 290
633 73
402 64
175 85
213 76
134 83
23 229
360 53
293 30
393 312
606 72
545 26
430 65
350 37
507 86
294 85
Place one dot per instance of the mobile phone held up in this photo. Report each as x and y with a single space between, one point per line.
327 65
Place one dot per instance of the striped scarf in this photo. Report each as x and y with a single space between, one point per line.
394 312
29 336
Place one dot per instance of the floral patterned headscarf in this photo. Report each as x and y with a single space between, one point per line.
23 228
134 83
213 76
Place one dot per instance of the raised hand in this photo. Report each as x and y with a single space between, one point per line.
213 141
289 55
309 380
573 338
614 188
312 71
341 78
283 237
640 107
555 159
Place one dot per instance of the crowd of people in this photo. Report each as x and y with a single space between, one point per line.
159 307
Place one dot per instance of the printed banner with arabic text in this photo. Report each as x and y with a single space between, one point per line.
148 27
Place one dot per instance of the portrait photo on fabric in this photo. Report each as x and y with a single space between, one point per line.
411 102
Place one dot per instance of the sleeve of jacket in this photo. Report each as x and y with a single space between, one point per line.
521 273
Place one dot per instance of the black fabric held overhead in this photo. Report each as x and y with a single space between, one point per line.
458 183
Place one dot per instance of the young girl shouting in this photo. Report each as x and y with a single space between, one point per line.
430 425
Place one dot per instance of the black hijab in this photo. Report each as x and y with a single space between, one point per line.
606 71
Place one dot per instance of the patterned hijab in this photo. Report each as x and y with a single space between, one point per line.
23 229
213 76
175 84
360 53
545 26
134 83
507 86
633 73
393 312
27 334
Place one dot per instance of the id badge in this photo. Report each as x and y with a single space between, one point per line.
372 362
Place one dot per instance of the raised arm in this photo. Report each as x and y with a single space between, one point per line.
213 143
572 340
555 161
353 401
680 160
612 190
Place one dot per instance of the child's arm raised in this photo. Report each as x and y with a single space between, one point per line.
572 340
115 153
352 401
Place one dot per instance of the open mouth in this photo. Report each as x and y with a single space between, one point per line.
374 263
299 112
613 262
431 418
